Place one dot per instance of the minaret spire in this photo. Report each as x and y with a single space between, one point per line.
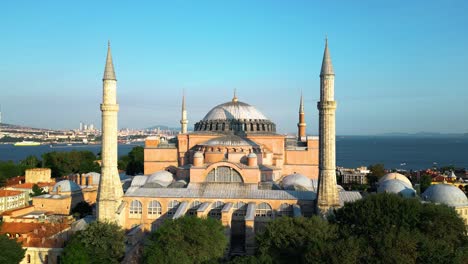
110 192
183 120
109 73
327 193
234 99
301 126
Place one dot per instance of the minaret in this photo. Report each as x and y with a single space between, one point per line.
184 120
301 126
110 190
327 193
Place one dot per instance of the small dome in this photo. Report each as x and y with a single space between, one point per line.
162 178
252 155
47 196
56 196
397 187
296 181
445 194
396 176
66 186
198 154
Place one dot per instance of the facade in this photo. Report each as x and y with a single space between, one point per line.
10 200
233 167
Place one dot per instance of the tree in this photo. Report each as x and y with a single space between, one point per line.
31 161
425 182
100 242
135 161
82 209
398 230
36 191
186 240
303 240
12 252
376 172
63 163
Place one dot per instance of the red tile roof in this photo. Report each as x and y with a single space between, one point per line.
5 193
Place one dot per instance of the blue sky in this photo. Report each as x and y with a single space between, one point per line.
400 65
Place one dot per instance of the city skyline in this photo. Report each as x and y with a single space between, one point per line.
387 79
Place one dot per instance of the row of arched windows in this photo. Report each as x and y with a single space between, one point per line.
263 210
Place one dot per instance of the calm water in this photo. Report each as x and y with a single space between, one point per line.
352 151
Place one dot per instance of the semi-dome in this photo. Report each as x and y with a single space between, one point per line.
237 117
396 176
445 194
198 154
296 181
161 178
66 186
397 187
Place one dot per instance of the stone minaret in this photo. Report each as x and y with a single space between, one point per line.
110 190
184 120
327 194
301 126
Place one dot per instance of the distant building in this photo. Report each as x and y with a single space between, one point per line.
353 176
10 200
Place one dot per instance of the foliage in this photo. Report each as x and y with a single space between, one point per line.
12 252
133 162
425 182
82 209
303 240
186 240
9 169
376 172
36 191
398 230
63 163
100 242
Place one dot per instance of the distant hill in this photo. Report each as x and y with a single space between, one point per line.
163 127
422 134
11 126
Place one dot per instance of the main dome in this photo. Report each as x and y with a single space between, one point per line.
235 117
234 110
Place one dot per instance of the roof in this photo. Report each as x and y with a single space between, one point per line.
327 66
35 234
109 73
445 194
220 191
5 193
229 140
30 185
66 186
234 110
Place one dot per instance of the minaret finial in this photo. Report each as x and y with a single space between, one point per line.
183 100
327 66
183 120
109 73
301 106
234 99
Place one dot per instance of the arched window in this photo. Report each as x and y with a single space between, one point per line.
193 208
172 207
154 208
135 208
223 174
215 211
240 209
264 211
285 210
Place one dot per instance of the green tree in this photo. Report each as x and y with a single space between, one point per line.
398 230
100 242
425 182
63 163
12 252
186 240
376 172
31 161
82 209
36 191
303 240
134 161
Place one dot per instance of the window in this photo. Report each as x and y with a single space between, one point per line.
135 208
28 258
154 208
194 207
240 209
264 211
216 208
172 207
223 174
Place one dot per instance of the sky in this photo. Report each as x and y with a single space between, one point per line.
401 66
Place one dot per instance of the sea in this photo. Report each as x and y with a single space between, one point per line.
404 153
